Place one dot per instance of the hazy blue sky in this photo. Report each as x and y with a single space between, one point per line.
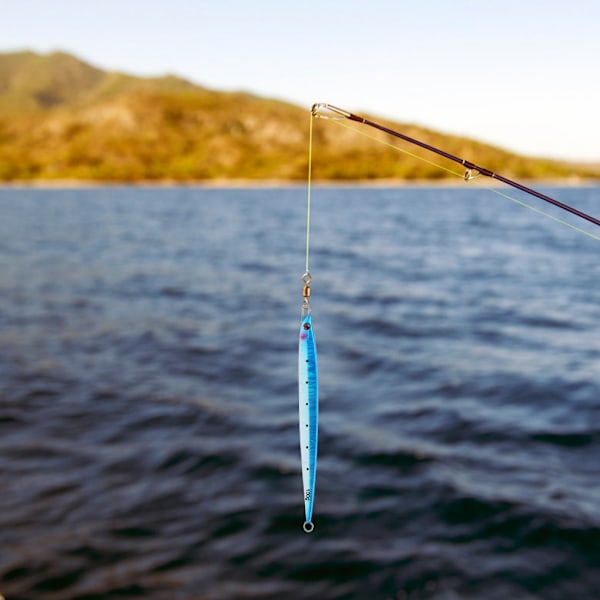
523 74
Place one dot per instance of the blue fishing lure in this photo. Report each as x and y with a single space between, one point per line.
308 396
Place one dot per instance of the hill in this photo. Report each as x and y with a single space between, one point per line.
61 118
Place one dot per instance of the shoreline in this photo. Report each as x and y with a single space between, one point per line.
482 182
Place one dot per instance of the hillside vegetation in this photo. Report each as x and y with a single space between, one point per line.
61 118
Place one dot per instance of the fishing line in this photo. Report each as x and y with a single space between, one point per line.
395 147
309 186
545 214
308 388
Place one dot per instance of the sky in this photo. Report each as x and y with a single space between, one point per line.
520 74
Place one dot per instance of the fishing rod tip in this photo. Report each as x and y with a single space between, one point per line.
322 110
316 107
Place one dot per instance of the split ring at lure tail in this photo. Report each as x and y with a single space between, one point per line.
308 396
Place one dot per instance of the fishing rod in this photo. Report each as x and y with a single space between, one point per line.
469 166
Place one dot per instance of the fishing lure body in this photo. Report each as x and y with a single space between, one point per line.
308 396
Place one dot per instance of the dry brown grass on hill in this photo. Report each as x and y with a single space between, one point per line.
63 119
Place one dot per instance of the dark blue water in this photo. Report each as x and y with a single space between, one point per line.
148 403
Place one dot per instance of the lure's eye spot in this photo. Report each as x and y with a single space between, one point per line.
306 325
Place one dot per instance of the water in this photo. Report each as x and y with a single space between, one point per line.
148 403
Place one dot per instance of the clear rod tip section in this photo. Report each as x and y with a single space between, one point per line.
308 526
322 110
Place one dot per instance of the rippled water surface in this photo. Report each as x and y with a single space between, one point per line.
148 399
